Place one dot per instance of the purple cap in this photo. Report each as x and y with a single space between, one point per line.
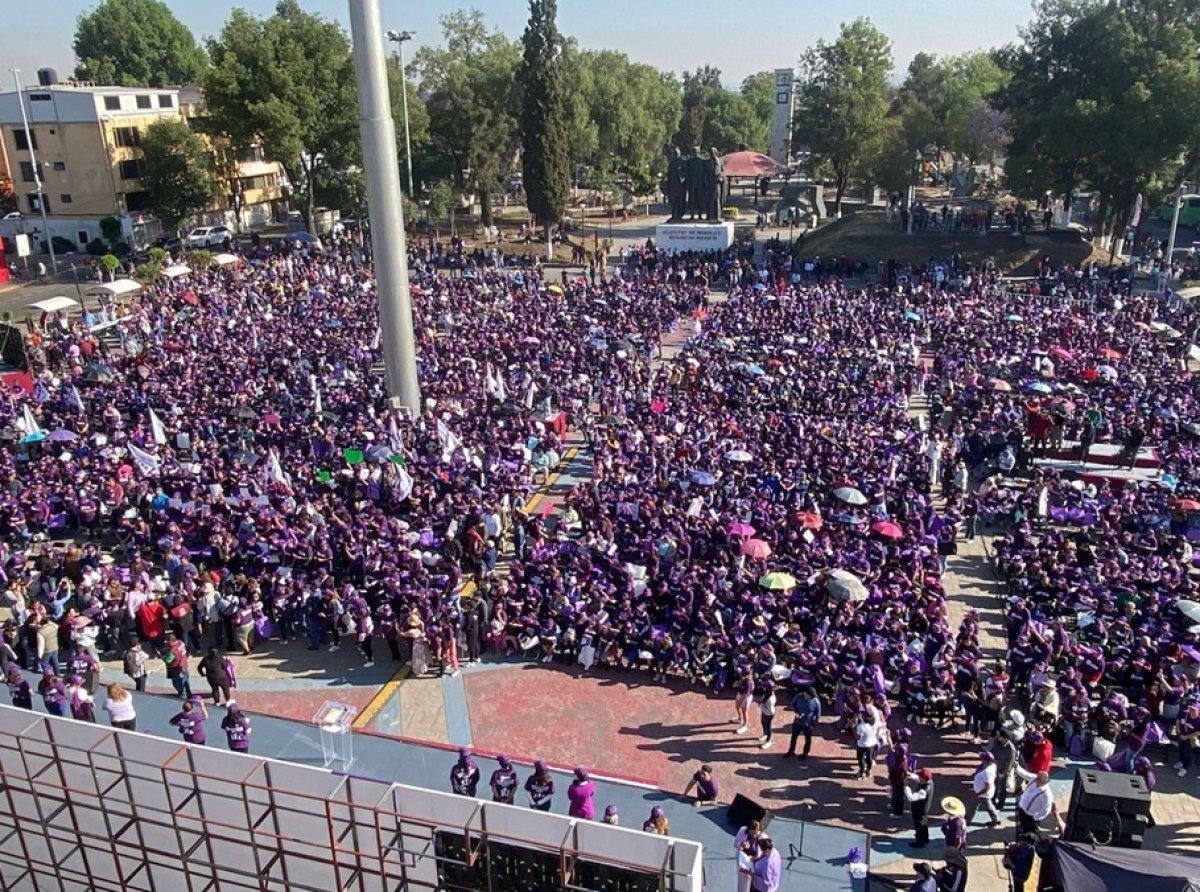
610 811
540 767
504 761
581 774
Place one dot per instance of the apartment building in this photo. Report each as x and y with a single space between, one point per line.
86 141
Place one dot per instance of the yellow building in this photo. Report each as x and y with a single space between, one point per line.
86 141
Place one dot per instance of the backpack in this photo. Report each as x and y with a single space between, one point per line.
226 607
130 664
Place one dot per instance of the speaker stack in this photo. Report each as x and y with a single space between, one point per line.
743 810
1108 809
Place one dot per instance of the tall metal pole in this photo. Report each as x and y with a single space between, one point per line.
1170 258
399 37
37 177
385 206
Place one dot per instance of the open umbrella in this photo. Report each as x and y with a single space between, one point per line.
757 549
702 478
741 529
1000 385
1186 504
1108 372
738 455
1014 317
849 495
243 412
1062 353
62 435
911 316
887 529
845 586
1190 609
1110 354
811 521
35 437
777 581
611 421
1039 387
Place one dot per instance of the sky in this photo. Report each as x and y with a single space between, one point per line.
739 37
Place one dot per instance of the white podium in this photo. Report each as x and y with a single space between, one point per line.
336 723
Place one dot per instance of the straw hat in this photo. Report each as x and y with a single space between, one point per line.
953 807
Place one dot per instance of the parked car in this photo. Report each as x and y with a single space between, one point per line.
208 236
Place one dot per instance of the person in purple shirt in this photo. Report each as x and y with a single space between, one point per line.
464 776
79 700
705 785
86 666
236 727
19 689
1188 733
504 781
580 796
54 695
190 721
540 787
766 868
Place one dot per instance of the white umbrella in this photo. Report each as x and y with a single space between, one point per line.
1190 609
850 495
845 586
739 455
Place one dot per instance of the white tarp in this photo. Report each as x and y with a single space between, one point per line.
177 270
225 259
119 287
55 304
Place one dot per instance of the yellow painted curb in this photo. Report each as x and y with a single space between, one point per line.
381 697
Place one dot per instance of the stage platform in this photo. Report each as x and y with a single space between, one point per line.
820 866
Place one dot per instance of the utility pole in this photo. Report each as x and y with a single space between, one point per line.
399 38
37 176
385 206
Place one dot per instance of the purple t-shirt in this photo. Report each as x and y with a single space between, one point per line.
706 788
237 731
581 796
191 726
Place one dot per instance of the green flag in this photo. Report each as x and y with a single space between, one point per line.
353 456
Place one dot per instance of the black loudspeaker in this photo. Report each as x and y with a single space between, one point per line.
743 810
1108 809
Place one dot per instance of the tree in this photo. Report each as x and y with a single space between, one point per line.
543 118
287 82
136 43
842 102
1101 95
418 115
717 118
473 102
178 176
8 197
109 263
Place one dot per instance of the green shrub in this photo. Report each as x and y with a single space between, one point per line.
97 247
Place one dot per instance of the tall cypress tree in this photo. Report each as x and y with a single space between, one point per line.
543 116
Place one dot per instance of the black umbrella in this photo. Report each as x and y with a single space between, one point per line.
243 412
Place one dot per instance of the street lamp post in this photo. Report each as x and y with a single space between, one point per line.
37 177
385 206
399 38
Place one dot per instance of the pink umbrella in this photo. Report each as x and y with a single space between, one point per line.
741 529
757 549
1111 354
1062 353
657 407
887 529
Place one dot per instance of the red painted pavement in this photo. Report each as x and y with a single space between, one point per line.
621 725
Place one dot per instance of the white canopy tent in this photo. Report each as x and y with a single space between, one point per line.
119 287
55 304
225 259
176 270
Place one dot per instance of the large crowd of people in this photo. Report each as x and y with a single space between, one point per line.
768 513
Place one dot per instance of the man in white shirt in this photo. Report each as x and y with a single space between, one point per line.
1036 804
984 785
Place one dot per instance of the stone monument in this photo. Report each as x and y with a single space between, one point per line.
694 186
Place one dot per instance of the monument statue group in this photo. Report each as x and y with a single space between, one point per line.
694 185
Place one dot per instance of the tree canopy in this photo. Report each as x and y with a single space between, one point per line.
842 102
543 116
136 43
714 117
177 174
289 81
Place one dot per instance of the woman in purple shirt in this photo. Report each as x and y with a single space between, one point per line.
190 721
504 781
54 695
580 794
18 689
236 727
540 787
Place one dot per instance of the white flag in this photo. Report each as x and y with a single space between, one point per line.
276 469
404 483
395 443
447 439
494 383
157 429
318 407
29 422
378 339
75 398
146 463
